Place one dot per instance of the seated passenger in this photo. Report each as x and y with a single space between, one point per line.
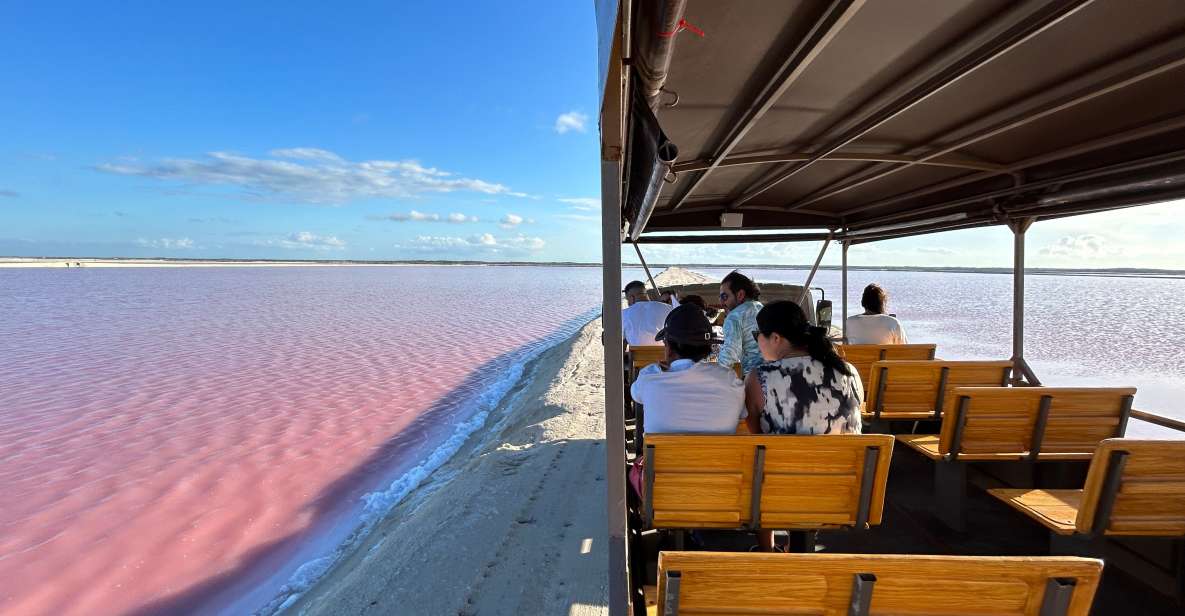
874 326
804 387
689 394
643 318
686 394
739 295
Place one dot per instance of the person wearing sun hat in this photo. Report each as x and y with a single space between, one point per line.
686 393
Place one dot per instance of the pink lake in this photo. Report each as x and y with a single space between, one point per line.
179 440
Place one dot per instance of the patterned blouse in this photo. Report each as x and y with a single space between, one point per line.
802 396
739 346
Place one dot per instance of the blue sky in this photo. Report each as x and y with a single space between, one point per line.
376 130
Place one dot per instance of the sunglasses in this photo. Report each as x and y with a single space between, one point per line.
755 335
723 297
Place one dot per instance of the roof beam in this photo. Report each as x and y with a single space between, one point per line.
982 55
1158 65
734 238
790 157
1091 174
1126 136
829 23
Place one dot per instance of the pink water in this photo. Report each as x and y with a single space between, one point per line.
172 439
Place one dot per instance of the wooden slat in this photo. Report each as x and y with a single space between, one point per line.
644 355
1151 498
1055 509
1150 501
862 356
926 444
705 481
911 388
743 583
1000 421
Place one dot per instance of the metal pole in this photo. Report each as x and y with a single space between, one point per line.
614 386
652 283
806 288
1018 227
844 295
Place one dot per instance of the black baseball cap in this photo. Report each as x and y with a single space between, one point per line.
687 324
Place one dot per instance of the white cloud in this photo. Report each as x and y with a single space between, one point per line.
310 175
511 221
586 204
1084 246
483 244
414 216
181 243
307 154
571 121
305 240
457 218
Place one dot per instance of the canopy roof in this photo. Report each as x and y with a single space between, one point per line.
882 118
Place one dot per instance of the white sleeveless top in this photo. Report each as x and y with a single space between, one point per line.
802 396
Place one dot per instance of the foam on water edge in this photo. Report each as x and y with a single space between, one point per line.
379 503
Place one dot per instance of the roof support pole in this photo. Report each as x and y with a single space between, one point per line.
1020 368
843 323
806 286
651 278
619 586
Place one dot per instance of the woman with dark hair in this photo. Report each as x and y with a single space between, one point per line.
804 386
874 326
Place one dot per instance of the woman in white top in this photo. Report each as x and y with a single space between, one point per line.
874 326
804 386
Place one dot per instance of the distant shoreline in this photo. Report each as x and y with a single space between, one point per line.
28 262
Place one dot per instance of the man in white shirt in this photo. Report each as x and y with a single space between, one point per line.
874 326
690 394
643 318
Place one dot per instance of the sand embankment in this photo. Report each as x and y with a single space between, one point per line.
673 276
514 523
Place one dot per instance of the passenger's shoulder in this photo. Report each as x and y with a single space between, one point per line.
649 370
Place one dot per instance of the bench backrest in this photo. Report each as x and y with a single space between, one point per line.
984 423
789 482
1135 487
916 390
833 584
862 356
644 355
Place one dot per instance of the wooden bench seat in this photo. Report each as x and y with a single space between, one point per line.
643 355
1133 488
862 356
1001 424
857 584
920 390
765 481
